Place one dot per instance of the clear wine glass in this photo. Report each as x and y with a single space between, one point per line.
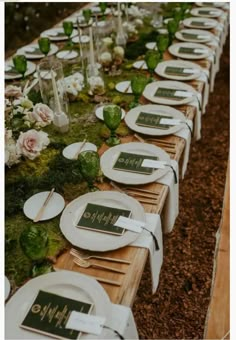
44 45
89 166
20 64
112 119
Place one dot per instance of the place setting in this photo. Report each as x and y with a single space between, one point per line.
178 70
58 34
187 50
193 35
207 12
200 23
33 51
18 67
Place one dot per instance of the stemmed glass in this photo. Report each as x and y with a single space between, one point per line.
44 45
89 166
162 43
152 58
103 7
87 13
112 119
68 29
20 64
138 84
172 27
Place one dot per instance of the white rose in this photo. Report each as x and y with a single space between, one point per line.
24 102
31 143
107 41
96 85
74 83
138 22
12 91
119 51
105 58
42 114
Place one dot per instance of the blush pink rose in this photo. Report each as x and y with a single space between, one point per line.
12 91
31 143
42 114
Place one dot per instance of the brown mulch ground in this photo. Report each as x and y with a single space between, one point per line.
178 309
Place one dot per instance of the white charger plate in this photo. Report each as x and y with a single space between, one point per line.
207 4
133 114
212 12
92 240
151 89
209 23
66 55
151 45
161 67
27 51
140 65
34 203
70 151
31 67
99 112
110 156
123 86
7 287
53 34
174 50
204 35
84 39
65 283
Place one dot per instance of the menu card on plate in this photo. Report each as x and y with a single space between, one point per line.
204 12
190 36
199 23
188 50
168 93
133 163
178 71
34 51
49 314
151 120
102 219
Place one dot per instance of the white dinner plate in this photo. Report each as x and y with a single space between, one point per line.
213 4
124 87
151 89
193 71
57 34
99 112
110 156
30 51
201 23
35 202
140 65
66 55
31 67
97 241
199 36
207 12
7 287
168 111
68 284
151 45
70 151
202 51
84 39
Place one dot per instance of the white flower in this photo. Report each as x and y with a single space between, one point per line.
24 102
7 103
134 11
74 83
11 154
119 52
107 41
105 58
96 85
129 28
138 22
42 114
12 91
31 143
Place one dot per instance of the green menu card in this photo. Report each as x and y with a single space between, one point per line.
152 120
190 36
198 23
133 163
168 93
102 219
50 312
204 12
178 71
188 50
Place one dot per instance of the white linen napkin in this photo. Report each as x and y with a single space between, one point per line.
204 77
197 119
145 240
122 320
186 134
171 207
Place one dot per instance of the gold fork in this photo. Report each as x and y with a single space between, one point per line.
86 264
85 256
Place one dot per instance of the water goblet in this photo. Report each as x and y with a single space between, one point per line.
87 13
152 58
68 29
112 119
44 45
103 7
138 84
89 166
20 64
172 27
162 43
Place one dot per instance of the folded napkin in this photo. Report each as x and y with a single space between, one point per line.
197 118
122 320
171 207
186 134
204 77
145 240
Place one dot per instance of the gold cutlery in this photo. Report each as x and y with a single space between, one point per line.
79 150
86 264
85 256
127 88
45 203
